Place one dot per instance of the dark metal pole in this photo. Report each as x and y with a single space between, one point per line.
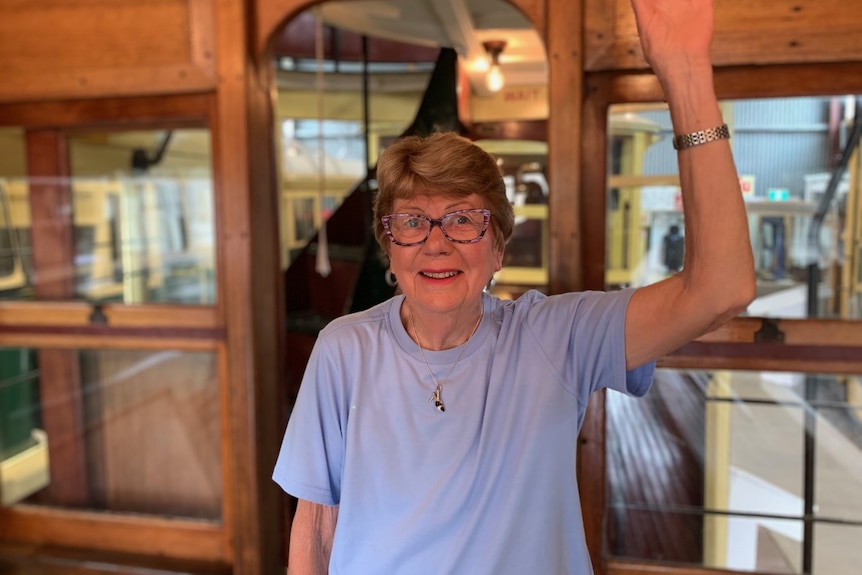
366 98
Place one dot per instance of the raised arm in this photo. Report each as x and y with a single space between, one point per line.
311 538
717 281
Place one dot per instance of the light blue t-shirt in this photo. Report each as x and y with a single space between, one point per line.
488 486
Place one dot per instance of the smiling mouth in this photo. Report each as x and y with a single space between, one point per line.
439 275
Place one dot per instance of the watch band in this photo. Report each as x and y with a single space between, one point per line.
693 139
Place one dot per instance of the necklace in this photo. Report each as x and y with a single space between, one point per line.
437 394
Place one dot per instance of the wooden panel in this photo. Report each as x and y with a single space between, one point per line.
564 96
764 357
270 17
591 474
29 559
130 534
746 32
107 340
815 345
742 82
795 332
162 112
593 181
249 285
228 551
50 215
63 421
54 48
78 314
592 469
59 382
600 33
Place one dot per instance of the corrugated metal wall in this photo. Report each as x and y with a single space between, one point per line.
778 141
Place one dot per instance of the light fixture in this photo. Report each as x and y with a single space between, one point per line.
494 79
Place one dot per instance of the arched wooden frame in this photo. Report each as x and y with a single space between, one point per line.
559 24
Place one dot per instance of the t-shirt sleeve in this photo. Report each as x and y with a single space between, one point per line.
310 462
587 341
639 379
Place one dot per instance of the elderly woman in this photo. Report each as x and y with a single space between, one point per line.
435 433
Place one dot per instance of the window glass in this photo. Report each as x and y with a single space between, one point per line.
730 461
14 236
839 460
137 216
324 159
740 543
121 431
832 538
525 260
804 225
321 163
754 544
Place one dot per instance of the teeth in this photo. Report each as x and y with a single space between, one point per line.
441 275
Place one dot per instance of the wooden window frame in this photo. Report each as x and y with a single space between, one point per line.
67 325
809 345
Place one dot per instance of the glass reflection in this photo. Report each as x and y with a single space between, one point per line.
142 231
14 243
526 258
804 216
122 431
839 463
842 540
14 255
734 459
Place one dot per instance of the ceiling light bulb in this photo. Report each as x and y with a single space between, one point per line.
494 79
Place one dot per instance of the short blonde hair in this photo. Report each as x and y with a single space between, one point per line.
444 164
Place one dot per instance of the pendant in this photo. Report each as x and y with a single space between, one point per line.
437 398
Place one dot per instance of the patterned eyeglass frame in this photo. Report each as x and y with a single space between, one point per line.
486 217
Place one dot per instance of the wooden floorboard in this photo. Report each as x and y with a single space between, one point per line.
655 471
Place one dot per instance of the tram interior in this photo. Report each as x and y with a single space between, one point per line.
148 235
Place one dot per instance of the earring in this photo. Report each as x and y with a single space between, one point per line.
390 278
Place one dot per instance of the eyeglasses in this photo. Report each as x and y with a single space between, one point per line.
462 226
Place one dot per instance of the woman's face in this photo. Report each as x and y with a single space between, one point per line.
440 275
